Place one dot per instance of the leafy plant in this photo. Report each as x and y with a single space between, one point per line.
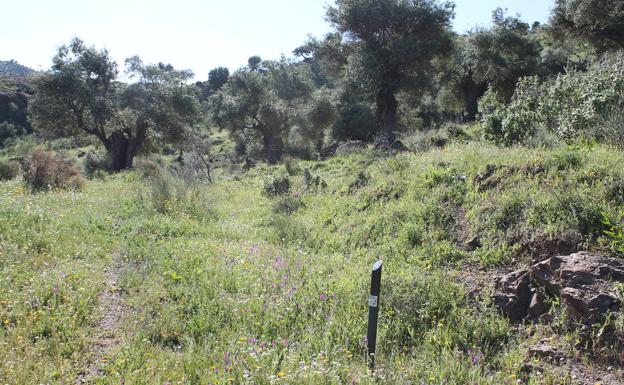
615 233
276 185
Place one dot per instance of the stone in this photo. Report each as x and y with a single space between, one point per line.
545 351
538 306
516 295
584 282
473 244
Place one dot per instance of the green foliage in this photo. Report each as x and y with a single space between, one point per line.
598 22
615 232
167 194
354 121
287 203
312 183
218 77
276 185
572 106
264 102
394 46
46 170
95 163
495 57
9 170
80 95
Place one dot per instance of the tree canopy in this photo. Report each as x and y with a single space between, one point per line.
80 95
599 22
395 44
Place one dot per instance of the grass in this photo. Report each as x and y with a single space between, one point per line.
227 285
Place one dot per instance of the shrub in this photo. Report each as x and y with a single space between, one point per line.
574 105
362 179
95 163
46 169
420 141
291 166
288 204
9 170
355 121
169 194
148 168
615 233
276 185
312 182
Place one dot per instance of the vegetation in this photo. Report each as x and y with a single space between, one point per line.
80 96
221 287
226 228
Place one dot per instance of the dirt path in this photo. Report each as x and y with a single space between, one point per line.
113 310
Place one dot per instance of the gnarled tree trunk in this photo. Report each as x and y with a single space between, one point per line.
123 146
273 147
387 107
472 92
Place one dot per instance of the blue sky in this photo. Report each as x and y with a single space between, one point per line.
193 34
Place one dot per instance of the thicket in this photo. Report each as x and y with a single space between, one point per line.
574 105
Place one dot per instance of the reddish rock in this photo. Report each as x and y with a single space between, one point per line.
584 282
516 295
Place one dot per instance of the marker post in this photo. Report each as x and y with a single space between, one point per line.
373 313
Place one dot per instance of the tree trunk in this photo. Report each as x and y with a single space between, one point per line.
122 149
273 147
472 92
118 151
387 106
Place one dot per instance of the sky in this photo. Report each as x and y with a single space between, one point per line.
193 34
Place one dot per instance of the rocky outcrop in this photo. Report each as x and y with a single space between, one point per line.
584 281
515 294
349 147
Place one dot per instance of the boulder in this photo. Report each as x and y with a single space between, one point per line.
328 151
538 306
584 281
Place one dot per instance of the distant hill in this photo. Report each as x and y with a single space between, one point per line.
12 68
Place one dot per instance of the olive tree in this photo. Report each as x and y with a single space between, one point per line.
395 44
80 95
264 98
495 57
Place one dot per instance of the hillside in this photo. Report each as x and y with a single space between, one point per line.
11 68
142 279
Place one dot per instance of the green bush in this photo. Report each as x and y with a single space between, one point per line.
169 194
355 121
95 163
288 204
276 185
574 105
9 170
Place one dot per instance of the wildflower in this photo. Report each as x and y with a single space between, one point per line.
323 297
